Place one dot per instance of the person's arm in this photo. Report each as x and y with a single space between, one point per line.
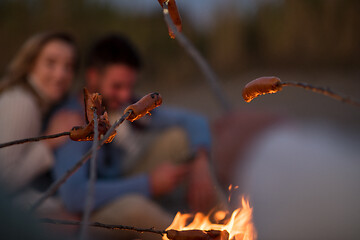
21 118
74 190
196 126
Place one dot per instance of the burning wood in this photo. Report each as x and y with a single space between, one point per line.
197 235
239 226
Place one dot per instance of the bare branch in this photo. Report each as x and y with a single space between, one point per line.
102 225
34 139
55 186
323 91
91 191
210 76
171 234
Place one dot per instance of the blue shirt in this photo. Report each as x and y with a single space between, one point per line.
110 183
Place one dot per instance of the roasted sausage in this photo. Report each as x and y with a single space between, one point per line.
174 14
260 86
82 133
93 102
143 106
86 133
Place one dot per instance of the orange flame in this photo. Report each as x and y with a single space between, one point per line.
239 226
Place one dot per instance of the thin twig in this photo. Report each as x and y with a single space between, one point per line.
102 225
323 91
55 186
34 139
210 76
91 191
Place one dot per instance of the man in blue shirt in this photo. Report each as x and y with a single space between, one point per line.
149 159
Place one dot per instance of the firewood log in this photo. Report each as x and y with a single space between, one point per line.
197 235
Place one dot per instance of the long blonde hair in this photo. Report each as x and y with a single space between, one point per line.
23 62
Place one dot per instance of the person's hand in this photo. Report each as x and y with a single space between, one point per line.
61 122
201 192
166 177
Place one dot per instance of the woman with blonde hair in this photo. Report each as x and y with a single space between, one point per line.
38 78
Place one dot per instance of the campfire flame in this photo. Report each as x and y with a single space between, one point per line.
239 225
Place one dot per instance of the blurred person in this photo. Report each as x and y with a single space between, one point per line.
148 159
38 78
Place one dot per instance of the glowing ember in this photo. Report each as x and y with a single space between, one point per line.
239 225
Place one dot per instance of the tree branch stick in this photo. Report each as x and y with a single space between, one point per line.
323 91
194 234
55 186
199 60
102 225
207 71
89 202
34 139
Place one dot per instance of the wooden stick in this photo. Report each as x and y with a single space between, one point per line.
33 139
55 186
89 202
209 74
324 91
194 234
102 225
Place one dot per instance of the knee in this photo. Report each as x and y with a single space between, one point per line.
134 210
176 135
136 206
176 141
134 200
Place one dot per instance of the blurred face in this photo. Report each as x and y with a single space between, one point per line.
116 84
53 71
